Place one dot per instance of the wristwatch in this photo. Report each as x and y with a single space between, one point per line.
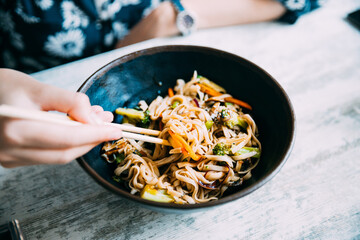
185 21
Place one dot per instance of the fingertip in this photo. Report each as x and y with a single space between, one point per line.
97 108
106 116
113 134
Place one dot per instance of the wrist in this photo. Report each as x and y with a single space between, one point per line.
165 14
186 22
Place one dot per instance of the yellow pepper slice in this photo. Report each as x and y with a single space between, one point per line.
158 195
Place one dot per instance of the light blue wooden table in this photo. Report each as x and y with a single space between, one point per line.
316 195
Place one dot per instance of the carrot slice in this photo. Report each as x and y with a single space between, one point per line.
238 102
176 144
215 93
209 90
170 92
185 145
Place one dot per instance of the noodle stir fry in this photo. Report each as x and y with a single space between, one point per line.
214 145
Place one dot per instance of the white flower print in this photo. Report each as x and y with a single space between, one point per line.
120 29
107 9
66 44
154 4
109 39
295 4
73 16
6 21
27 18
130 2
44 4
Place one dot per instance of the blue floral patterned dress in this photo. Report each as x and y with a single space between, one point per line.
39 34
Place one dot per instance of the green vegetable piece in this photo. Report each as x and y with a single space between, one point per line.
145 122
175 104
119 158
221 149
248 150
140 118
116 178
209 124
227 104
157 195
242 123
224 113
137 152
236 120
130 113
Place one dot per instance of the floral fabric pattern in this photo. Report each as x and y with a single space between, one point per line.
296 8
39 34
66 44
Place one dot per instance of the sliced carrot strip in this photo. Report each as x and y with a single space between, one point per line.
209 90
215 93
176 144
185 145
170 92
238 102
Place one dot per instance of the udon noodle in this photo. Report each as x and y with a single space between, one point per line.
214 145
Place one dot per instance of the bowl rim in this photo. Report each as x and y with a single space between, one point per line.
173 206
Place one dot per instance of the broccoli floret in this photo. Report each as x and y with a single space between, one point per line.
140 118
236 121
145 121
231 119
221 149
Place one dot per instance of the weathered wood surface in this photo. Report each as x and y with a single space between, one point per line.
316 195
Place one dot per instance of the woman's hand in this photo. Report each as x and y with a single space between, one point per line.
159 23
27 142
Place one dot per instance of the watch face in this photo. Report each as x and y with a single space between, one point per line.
185 23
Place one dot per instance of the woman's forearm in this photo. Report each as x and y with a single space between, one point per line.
215 13
161 22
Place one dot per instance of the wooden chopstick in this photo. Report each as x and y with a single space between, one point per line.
22 113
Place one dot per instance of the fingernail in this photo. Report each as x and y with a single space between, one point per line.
95 119
116 134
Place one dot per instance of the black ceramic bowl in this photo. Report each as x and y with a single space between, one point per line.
136 76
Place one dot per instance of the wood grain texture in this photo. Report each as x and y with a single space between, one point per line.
316 195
